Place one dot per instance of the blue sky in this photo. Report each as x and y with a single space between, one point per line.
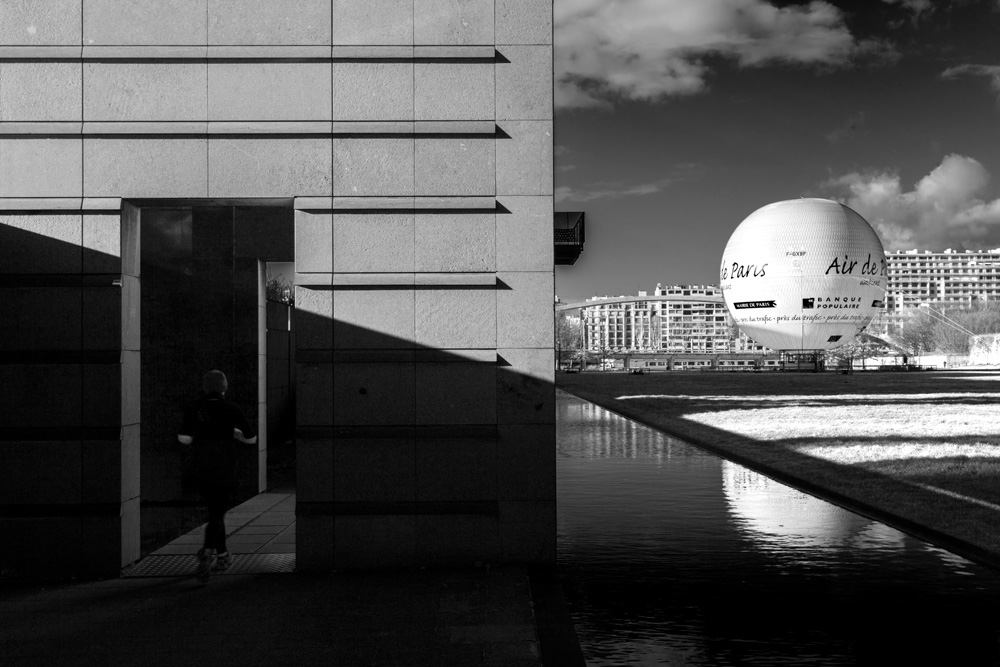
676 119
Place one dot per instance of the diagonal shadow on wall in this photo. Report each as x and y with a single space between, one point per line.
407 452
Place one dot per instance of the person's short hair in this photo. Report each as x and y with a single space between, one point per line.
215 382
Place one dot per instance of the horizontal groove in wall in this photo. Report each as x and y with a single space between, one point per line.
361 281
469 128
460 52
367 204
102 204
55 433
473 129
114 53
359 52
263 52
60 510
307 356
71 280
174 202
415 203
114 128
88 205
413 355
252 53
406 508
450 279
399 356
18 357
36 53
373 356
40 129
407 432
427 356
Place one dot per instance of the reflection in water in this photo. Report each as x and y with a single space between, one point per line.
672 556
775 516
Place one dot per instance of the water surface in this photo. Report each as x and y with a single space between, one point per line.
672 556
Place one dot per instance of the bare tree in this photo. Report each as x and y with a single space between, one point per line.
569 338
278 289
916 332
954 326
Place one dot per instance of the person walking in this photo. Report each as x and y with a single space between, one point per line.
211 427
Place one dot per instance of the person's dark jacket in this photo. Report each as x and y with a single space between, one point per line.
211 421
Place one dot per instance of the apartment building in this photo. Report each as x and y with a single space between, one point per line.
942 279
676 318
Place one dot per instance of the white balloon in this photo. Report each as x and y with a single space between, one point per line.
803 274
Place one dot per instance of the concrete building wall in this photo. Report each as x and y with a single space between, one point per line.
424 298
69 414
414 140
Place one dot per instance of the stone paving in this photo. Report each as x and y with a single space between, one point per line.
482 616
469 617
260 535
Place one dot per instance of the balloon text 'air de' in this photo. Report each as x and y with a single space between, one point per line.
803 274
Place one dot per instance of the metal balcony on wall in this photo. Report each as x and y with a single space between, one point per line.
569 234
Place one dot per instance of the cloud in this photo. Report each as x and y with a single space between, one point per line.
947 208
915 6
611 190
680 173
845 130
992 72
646 50
562 155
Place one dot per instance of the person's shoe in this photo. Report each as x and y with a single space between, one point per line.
222 561
205 557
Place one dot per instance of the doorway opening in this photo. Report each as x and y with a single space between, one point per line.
204 281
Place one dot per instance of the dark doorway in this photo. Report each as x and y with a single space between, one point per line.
203 306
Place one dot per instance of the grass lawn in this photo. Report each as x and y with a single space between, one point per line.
920 450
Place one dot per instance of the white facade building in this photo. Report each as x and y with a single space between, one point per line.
675 319
942 279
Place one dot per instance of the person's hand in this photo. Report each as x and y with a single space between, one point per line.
238 434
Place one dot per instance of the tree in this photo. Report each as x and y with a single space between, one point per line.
950 339
278 289
954 325
569 338
916 332
984 318
732 333
945 330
